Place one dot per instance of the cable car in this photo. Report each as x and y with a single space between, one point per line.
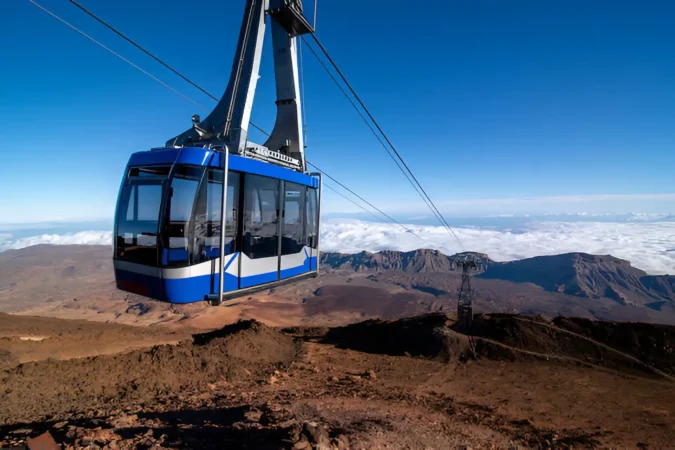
211 202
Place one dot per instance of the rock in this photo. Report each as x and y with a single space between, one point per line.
301 445
59 425
371 374
253 416
317 434
124 421
43 442
355 378
104 436
342 442
272 379
334 379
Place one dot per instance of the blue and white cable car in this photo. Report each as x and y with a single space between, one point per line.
170 242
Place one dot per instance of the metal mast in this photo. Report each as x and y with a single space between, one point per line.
465 298
227 125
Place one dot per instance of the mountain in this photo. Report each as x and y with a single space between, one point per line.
416 261
574 274
591 276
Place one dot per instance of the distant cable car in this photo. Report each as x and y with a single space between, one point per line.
170 242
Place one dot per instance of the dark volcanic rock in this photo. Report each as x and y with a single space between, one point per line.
417 261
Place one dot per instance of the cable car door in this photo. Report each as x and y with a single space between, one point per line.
259 258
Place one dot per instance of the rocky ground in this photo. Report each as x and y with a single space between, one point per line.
515 381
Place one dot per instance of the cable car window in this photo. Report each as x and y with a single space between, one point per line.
208 213
176 234
293 234
138 215
312 232
261 221
150 172
149 200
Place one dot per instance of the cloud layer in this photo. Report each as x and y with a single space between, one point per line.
8 242
649 246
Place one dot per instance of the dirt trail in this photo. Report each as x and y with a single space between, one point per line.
409 383
620 353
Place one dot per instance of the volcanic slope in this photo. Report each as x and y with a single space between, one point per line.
407 383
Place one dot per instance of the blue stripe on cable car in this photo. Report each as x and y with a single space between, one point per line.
187 290
203 157
166 156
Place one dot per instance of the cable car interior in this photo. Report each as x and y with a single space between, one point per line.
211 202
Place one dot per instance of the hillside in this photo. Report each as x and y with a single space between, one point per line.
416 261
516 382
574 274
591 276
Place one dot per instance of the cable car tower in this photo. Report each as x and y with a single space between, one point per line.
211 202
466 293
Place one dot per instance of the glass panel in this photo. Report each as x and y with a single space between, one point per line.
138 219
207 227
176 235
293 235
149 198
312 219
150 172
261 224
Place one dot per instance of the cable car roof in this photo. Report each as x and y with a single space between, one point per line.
200 156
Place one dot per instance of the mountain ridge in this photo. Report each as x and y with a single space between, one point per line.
576 273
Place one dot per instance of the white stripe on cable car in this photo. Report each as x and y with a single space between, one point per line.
250 266
294 260
258 266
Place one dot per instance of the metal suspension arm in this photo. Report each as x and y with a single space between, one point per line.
228 122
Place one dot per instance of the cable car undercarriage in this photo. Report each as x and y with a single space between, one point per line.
211 201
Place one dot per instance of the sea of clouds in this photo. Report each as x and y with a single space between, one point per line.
649 246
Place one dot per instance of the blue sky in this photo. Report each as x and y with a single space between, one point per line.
499 107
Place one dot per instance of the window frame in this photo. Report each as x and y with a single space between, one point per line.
255 198
131 182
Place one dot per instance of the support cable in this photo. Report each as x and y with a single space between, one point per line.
405 229
117 55
144 50
358 111
129 40
377 125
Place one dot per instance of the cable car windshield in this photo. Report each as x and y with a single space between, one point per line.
138 212
186 230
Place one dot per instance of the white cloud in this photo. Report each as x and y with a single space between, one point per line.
7 241
649 246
